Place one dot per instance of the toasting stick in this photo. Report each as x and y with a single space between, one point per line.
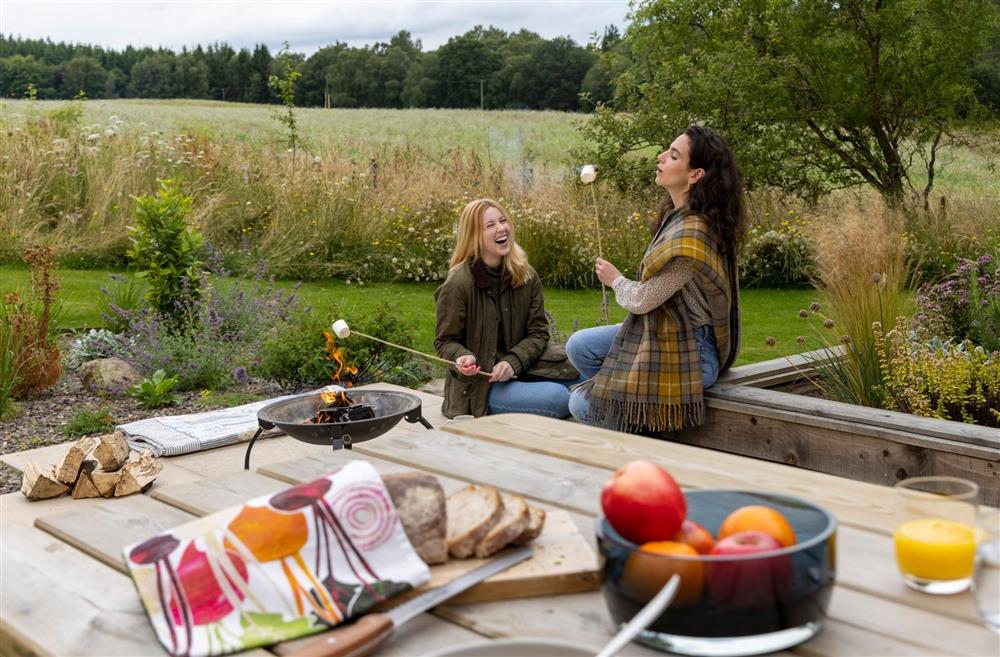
342 330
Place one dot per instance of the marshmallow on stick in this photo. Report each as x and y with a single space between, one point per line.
342 330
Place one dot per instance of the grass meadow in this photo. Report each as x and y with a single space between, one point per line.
367 207
765 312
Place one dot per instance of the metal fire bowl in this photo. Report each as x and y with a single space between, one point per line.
293 417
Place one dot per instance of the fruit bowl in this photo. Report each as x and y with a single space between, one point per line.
729 605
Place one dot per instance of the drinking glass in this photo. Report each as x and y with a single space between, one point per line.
986 582
936 533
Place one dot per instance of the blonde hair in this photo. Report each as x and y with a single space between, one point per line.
469 241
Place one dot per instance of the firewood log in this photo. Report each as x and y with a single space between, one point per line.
112 451
136 475
106 481
84 484
38 484
69 468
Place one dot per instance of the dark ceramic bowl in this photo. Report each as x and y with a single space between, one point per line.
727 605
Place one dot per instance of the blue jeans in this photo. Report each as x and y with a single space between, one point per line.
588 348
536 395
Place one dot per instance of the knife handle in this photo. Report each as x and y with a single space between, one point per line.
355 640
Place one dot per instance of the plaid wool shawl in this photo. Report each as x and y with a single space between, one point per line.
651 378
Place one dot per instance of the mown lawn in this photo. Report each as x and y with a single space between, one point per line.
765 312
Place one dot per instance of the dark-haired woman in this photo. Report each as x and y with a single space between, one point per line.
648 374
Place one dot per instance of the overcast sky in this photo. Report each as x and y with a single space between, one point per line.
306 24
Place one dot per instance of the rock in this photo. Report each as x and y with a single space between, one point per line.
111 376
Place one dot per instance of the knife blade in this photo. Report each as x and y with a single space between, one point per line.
371 630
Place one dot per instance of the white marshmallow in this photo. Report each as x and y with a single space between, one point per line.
341 329
588 174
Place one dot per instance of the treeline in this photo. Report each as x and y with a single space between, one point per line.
488 66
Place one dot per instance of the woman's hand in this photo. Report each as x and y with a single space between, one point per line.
606 272
502 371
467 365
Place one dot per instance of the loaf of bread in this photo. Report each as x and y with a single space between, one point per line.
536 521
512 524
472 513
420 503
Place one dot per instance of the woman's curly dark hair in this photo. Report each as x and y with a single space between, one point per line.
719 194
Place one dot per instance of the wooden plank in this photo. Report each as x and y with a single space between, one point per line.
942 635
424 634
930 427
779 370
105 528
832 446
209 495
58 601
853 502
582 617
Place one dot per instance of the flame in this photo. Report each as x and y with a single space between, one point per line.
336 354
331 395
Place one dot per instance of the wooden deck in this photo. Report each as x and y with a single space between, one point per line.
65 591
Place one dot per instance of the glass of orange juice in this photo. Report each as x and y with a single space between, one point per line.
936 532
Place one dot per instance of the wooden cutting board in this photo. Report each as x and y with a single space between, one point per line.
561 562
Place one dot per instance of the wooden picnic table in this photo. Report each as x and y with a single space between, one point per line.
64 589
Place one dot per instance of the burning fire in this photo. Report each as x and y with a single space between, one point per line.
334 395
336 354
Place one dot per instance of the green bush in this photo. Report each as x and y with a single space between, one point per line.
157 391
935 378
298 350
120 300
166 249
85 422
777 257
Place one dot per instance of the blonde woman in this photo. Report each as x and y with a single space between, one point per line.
491 322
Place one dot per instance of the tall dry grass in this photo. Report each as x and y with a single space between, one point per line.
862 274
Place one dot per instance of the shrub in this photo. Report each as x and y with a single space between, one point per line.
943 379
220 334
300 349
966 305
777 257
119 300
157 391
95 343
29 357
166 249
85 422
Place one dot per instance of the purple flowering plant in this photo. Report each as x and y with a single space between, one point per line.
965 305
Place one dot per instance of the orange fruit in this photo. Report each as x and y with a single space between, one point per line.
758 518
649 568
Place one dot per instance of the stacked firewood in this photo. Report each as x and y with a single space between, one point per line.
94 466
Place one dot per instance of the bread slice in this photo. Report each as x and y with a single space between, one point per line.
536 521
419 501
472 512
511 524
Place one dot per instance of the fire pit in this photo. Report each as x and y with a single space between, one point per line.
298 417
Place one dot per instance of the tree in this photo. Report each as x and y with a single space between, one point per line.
83 73
812 95
152 77
18 71
551 76
462 64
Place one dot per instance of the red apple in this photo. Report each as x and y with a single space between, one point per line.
696 536
643 503
751 581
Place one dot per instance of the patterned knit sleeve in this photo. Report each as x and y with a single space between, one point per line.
641 297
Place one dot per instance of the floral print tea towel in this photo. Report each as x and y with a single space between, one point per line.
278 567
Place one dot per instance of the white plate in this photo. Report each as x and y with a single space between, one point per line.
525 647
